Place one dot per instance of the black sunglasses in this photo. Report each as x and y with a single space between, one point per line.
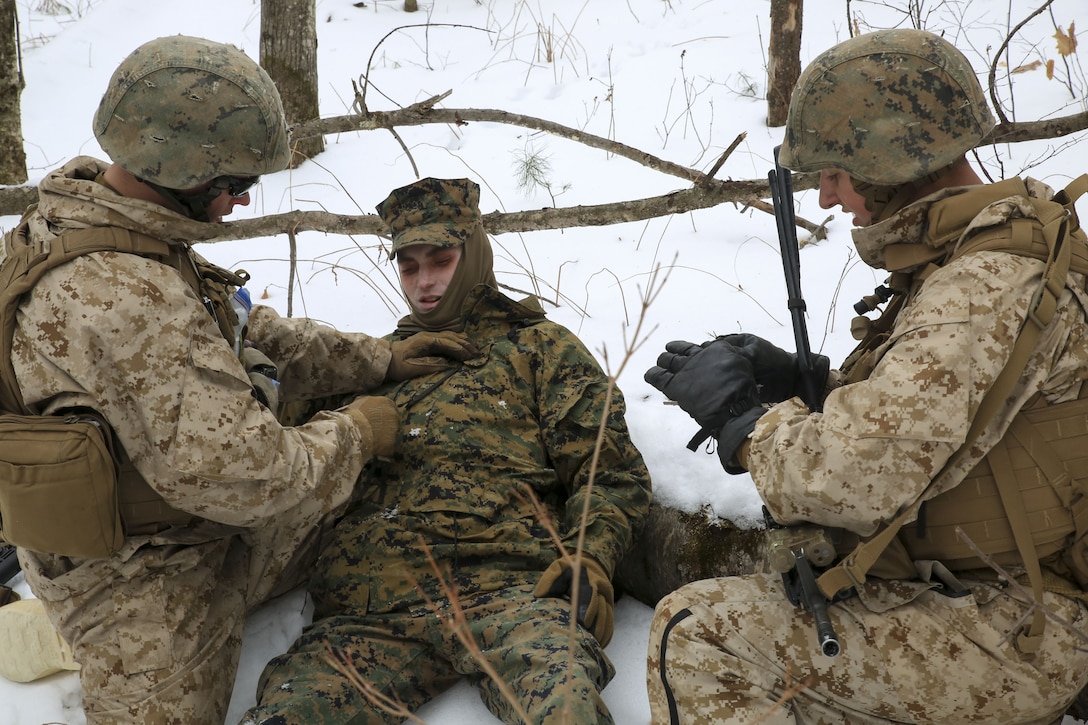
236 186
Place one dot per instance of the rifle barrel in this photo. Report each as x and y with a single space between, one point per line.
816 604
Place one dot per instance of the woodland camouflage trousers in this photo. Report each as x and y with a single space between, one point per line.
414 656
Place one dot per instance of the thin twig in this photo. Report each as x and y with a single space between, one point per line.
458 624
1019 588
339 662
726 154
997 59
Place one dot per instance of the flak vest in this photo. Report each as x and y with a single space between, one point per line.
1026 503
142 510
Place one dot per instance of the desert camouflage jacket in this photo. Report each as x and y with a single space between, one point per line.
880 442
126 335
519 419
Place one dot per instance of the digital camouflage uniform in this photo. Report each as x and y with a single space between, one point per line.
522 417
874 450
937 648
158 626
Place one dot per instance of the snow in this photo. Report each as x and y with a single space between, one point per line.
678 79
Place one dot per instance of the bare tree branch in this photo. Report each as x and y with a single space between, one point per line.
997 60
424 113
705 192
747 193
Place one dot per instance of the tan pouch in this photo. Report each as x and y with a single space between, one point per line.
30 647
58 485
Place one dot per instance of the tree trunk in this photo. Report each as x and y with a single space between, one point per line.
289 54
784 58
12 155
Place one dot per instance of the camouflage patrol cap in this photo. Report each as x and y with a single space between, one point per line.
439 212
888 107
180 111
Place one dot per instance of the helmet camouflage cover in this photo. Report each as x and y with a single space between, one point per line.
888 107
180 111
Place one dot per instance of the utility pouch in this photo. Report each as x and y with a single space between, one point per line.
58 484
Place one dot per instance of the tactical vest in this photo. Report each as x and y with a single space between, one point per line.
1026 503
142 510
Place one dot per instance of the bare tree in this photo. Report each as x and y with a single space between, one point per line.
12 155
783 58
289 54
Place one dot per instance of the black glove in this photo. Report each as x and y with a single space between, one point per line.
777 376
733 433
712 382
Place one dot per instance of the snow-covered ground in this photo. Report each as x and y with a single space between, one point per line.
679 79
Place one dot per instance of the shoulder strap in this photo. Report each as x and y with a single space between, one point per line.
28 260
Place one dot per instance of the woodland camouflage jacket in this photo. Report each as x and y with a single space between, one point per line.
523 416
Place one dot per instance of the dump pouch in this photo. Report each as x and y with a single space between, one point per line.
58 485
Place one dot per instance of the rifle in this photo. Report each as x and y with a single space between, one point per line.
782 197
9 567
794 550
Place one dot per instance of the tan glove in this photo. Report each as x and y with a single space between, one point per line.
382 416
427 352
262 376
596 600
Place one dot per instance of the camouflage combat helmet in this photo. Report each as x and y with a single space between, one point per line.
439 212
181 111
888 107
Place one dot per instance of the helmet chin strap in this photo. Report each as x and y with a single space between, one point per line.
884 201
195 205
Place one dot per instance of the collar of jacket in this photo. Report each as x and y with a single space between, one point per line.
486 307
922 232
71 198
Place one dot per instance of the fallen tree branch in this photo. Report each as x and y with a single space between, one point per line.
747 193
706 191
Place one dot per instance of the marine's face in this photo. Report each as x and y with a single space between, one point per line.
224 204
233 191
837 188
425 273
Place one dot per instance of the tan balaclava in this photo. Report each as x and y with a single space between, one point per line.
442 213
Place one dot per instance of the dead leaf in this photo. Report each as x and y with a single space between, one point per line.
1027 67
1050 70
1067 44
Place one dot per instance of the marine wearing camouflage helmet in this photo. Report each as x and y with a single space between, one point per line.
217 504
961 410
889 108
181 112
476 445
